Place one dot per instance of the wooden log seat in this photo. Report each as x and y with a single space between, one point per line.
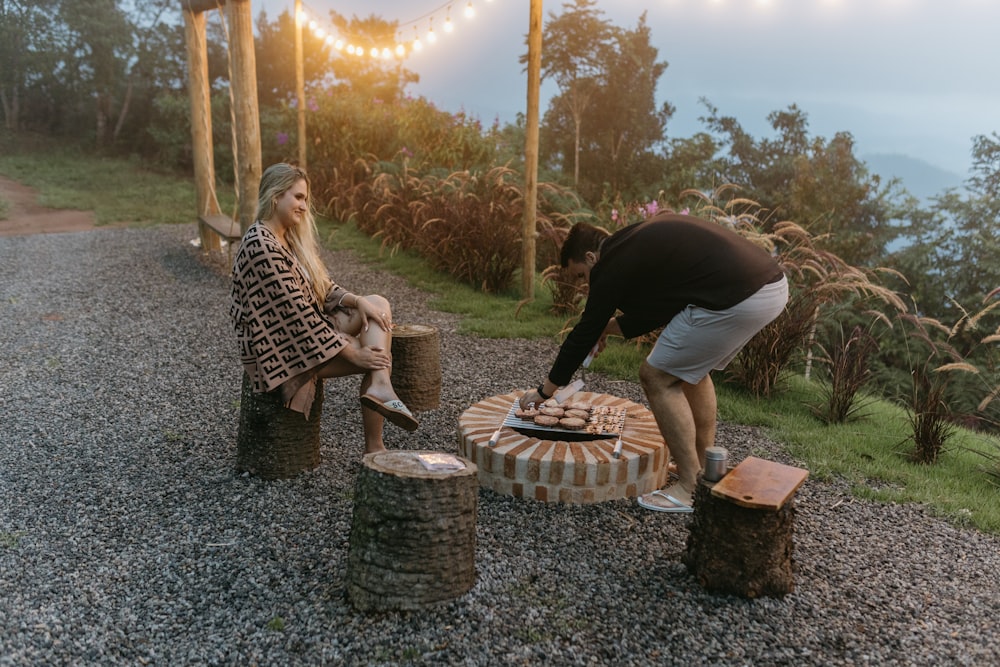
416 365
740 539
554 470
274 442
413 531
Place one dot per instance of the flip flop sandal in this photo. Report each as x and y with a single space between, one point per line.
651 501
395 411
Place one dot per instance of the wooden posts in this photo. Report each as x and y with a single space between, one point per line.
201 124
413 533
416 365
274 442
246 118
741 534
245 121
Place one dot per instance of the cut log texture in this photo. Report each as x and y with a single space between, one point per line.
413 533
738 550
274 442
416 366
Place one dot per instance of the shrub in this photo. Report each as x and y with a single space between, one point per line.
848 373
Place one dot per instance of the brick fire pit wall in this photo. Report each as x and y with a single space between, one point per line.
553 470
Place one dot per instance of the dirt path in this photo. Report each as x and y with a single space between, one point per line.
24 216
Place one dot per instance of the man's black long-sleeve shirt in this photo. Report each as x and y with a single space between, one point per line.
652 270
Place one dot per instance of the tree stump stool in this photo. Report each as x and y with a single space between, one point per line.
741 534
413 532
274 442
416 365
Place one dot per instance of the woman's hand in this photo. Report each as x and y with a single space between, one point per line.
370 311
368 357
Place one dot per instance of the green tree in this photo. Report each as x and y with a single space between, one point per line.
951 257
275 55
381 78
625 127
816 182
575 46
26 28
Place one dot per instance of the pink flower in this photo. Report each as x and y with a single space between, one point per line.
614 215
686 211
651 208
282 138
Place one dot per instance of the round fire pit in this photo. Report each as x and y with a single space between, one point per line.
555 467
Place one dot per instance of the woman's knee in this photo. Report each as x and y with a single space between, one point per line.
379 301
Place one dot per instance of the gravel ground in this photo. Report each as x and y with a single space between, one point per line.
126 537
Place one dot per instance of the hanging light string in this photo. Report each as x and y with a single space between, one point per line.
353 45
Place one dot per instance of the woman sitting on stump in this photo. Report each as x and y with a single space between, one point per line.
295 326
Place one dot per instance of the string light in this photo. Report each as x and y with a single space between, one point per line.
399 48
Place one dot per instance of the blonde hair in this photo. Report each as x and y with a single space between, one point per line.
301 239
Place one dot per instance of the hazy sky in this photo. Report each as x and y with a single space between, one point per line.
914 77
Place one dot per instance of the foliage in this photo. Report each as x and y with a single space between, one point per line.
849 371
378 78
573 47
820 184
467 223
603 125
927 407
71 178
817 278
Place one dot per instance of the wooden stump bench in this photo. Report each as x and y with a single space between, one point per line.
413 531
274 442
416 366
741 533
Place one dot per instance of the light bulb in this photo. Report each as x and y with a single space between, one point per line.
469 11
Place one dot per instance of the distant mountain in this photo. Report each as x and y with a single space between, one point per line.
922 179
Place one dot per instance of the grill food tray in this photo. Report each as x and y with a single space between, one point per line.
604 422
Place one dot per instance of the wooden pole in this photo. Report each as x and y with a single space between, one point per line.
300 89
528 233
201 122
246 114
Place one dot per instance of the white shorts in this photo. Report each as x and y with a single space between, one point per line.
697 340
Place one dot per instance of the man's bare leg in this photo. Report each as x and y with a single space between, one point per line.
677 424
701 398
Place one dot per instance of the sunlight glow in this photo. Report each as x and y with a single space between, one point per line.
399 46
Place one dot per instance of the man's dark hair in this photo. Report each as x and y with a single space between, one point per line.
583 237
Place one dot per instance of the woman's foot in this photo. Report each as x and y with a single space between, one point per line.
391 409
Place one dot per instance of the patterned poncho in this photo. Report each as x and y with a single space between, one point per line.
283 333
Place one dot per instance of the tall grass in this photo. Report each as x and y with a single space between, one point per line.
115 190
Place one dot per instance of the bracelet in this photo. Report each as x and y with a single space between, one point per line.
541 393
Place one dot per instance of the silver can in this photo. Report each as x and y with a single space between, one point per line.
716 463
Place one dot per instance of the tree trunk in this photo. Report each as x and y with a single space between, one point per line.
123 112
413 532
416 366
738 550
274 442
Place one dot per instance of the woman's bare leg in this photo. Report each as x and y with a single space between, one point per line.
377 383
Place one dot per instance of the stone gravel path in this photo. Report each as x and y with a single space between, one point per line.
126 537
